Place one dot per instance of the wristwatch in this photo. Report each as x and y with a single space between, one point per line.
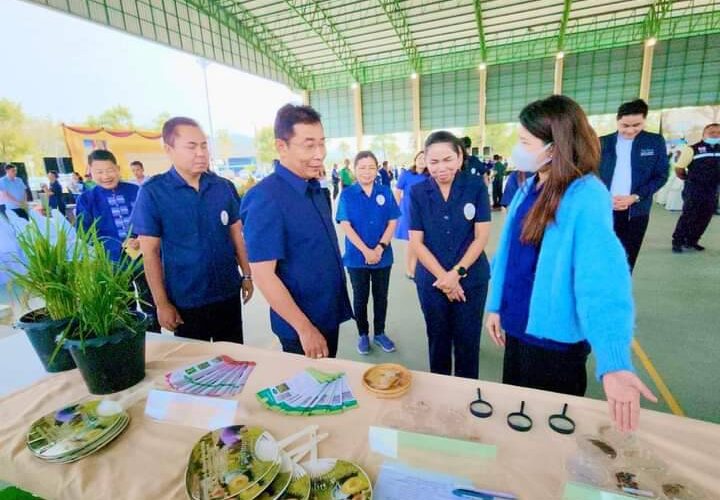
637 198
462 272
247 278
383 245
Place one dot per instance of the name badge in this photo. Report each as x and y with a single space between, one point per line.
224 218
647 152
469 211
472 171
380 199
702 149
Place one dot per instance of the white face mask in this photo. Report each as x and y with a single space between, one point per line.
527 161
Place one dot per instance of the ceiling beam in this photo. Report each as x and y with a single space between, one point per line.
481 30
318 20
563 24
249 27
658 12
398 19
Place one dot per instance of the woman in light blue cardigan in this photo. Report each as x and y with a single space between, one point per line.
560 279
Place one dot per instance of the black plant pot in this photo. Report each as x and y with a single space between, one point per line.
42 334
110 364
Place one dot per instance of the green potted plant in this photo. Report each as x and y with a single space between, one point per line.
106 336
46 269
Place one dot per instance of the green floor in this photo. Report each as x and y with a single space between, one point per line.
678 320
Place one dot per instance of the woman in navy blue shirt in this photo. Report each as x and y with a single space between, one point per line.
449 229
561 282
415 175
368 215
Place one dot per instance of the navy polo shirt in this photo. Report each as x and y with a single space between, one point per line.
288 219
369 217
112 209
198 255
449 226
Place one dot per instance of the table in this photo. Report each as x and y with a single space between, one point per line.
148 460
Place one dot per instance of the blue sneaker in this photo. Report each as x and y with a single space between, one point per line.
384 342
364 345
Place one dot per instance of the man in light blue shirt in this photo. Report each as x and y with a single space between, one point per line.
12 192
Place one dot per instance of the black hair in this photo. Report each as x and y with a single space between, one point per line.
466 142
413 168
54 172
9 165
170 126
101 155
138 163
636 107
364 154
290 115
496 157
443 136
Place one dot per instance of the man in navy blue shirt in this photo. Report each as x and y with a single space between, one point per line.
634 166
55 192
292 243
385 175
191 238
109 205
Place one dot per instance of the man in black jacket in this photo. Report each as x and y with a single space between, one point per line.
634 166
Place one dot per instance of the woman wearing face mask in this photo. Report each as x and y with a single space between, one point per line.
449 229
368 214
561 282
415 175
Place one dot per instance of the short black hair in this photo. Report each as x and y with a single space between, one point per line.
365 154
466 142
169 127
54 172
8 166
138 163
101 155
443 136
291 114
496 157
636 107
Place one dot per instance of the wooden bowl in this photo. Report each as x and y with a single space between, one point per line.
398 388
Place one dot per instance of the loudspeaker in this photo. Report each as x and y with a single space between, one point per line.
60 164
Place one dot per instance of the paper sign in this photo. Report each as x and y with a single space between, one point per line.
577 491
399 482
186 409
387 442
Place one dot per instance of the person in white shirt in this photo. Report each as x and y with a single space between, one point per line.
138 171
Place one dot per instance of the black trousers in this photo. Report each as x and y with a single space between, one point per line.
146 303
453 330
497 191
335 190
362 279
698 211
21 212
219 321
294 346
631 232
527 365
